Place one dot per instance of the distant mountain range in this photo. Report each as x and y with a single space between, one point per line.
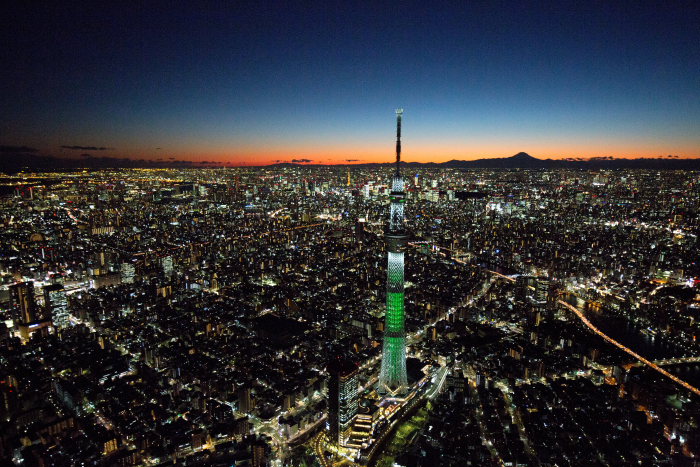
523 160
15 159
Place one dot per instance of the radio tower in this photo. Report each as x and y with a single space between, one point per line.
392 379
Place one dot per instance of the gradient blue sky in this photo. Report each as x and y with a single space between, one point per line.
255 83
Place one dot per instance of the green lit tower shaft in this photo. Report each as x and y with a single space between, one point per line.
392 378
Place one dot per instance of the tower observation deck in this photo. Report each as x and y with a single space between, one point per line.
392 378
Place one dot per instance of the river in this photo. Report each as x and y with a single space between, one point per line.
649 346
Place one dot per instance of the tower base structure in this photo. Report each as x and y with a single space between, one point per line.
393 380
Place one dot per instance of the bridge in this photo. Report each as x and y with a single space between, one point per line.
672 361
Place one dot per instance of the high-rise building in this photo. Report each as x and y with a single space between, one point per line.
392 378
22 299
57 303
342 398
167 264
245 401
128 271
540 294
259 453
541 289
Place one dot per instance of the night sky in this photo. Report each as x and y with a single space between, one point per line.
252 83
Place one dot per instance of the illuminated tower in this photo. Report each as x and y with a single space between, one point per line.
392 379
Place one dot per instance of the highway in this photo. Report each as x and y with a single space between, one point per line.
300 436
438 382
643 360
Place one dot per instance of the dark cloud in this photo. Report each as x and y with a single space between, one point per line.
157 148
171 158
352 160
86 155
87 148
17 149
301 160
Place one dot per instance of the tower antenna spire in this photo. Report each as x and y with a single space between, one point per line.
399 114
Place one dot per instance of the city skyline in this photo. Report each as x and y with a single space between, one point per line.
209 256
255 85
196 316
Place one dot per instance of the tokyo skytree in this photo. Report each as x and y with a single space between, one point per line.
392 379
